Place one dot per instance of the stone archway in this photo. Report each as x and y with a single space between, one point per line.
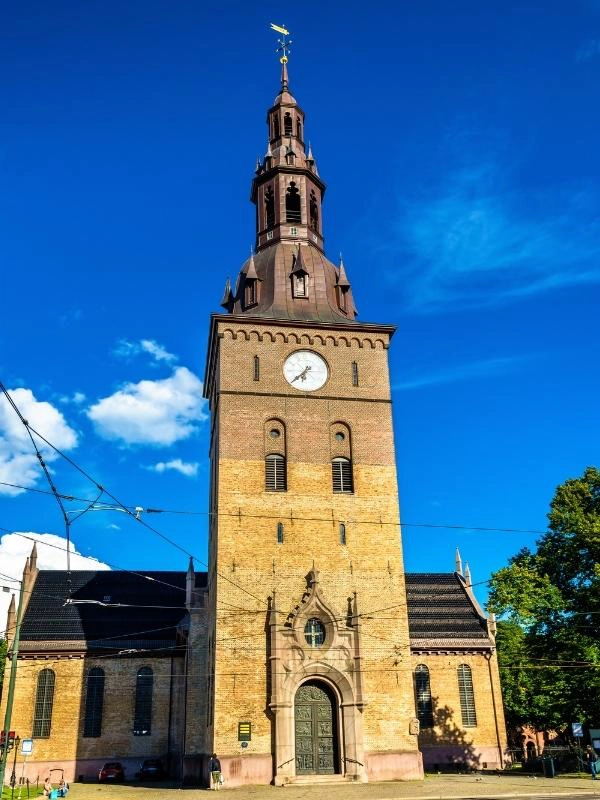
316 730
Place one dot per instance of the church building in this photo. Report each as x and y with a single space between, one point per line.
305 653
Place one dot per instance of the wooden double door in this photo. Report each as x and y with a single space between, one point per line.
315 720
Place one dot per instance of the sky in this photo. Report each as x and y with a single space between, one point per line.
458 142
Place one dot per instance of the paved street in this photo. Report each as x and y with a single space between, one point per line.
432 788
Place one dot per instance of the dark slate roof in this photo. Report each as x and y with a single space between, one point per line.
441 614
157 607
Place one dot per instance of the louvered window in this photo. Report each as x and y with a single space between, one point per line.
341 473
275 473
94 701
142 719
467 698
423 693
44 700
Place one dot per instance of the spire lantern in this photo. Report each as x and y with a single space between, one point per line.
288 276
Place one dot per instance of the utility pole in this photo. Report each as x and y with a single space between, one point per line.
11 687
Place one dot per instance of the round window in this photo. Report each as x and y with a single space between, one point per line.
274 433
340 436
314 632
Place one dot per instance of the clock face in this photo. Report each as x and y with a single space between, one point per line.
305 370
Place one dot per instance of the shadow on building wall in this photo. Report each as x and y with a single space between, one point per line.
447 747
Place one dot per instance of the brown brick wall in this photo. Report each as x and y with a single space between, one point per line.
250 564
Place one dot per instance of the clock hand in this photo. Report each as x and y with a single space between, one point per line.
301 375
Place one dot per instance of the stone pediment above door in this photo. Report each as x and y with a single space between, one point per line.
315 630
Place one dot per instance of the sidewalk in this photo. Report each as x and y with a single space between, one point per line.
437 787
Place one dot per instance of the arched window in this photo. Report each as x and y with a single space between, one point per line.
299 130
94 701
342 533
269 207
44 700
275 473
287 124
467 698
314 212
142 717
275 127
292 204
280 533
423 693
341 473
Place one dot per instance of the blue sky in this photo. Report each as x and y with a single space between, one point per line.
459 145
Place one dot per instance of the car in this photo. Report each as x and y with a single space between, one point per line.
151 770
112 771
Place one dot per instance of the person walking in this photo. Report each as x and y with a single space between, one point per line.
592 759
215 772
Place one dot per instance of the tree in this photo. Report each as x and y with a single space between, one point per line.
549 601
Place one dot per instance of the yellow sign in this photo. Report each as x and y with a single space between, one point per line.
244 731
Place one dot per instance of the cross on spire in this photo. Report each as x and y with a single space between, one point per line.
285 45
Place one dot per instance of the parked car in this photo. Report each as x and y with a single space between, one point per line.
112 771
151 770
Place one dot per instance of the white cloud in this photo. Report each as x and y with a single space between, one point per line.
128 350
478 239
157 351
460 372
156 413
18 462
76 398
187 468
588 50
15 549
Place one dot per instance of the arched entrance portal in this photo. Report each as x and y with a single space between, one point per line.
315 721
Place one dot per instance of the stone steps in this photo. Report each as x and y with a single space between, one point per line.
309 780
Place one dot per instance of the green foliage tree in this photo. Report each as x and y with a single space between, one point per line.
549 600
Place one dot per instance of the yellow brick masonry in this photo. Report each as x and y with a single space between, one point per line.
449 741
250 564
65 747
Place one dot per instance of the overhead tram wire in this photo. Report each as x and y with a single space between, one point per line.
31 430
434 525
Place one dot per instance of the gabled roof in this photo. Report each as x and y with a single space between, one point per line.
153 606
443 614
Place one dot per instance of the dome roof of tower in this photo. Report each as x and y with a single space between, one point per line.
275 300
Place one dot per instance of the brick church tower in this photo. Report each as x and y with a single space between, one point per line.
308 640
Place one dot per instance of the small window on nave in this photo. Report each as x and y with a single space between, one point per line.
423 695
142 718
467 696
44 702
